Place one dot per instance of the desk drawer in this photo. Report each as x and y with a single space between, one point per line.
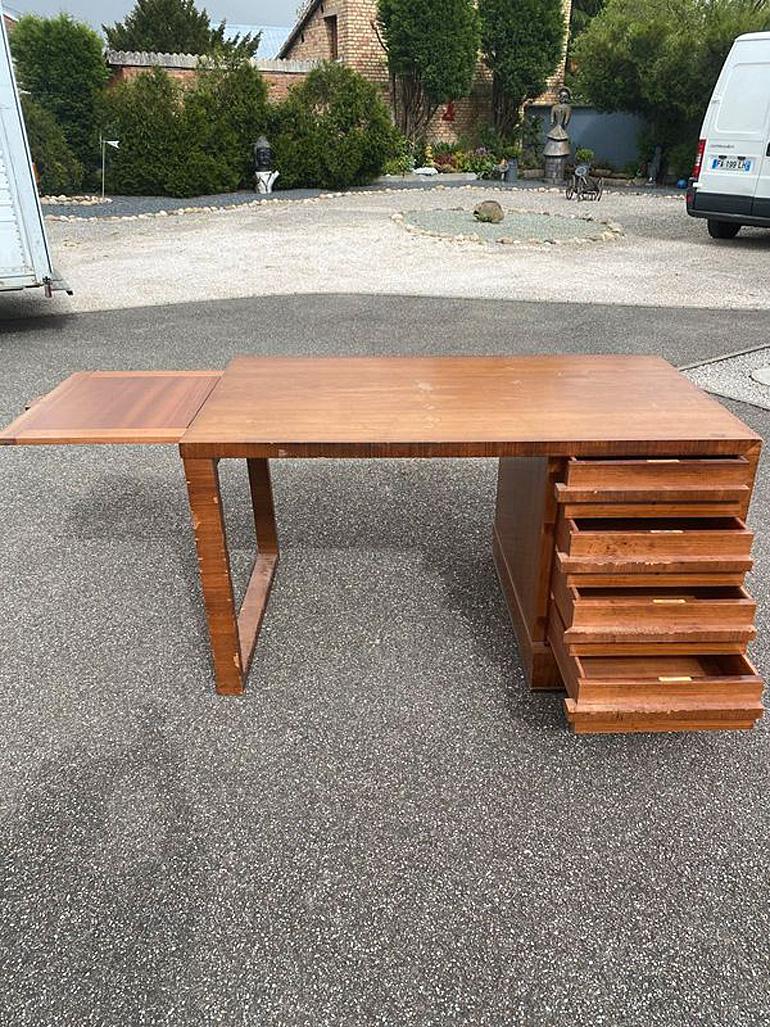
636 716
666 676
654 540
656 488
646 615
679 678
682 473
581 504
593 572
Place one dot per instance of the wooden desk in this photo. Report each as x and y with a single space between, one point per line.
619 534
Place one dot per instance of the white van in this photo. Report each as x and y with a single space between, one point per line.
730 184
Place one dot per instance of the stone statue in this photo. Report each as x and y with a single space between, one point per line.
557 145
653 168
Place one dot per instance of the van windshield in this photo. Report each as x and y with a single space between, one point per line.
745 100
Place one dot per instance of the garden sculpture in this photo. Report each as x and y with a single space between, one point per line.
557 144
582 186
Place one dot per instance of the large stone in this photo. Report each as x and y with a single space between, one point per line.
489 211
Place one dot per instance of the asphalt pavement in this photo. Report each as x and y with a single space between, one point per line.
388 828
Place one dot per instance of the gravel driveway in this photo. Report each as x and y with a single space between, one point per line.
350 243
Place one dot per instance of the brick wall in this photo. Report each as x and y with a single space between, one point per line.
280 76
126 73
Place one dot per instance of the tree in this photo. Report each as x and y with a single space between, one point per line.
582 14
522 42
432 49
61 64
661 58
175 26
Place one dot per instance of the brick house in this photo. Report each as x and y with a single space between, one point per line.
344 31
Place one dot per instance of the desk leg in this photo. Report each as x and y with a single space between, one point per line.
233 636
258 592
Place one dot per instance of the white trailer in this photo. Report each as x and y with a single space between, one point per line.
25 258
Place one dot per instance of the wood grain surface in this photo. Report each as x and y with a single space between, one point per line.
114 407
460 406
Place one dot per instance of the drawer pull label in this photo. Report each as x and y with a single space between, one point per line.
666 531
669 602
674 679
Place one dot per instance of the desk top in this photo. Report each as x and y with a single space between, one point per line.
460 406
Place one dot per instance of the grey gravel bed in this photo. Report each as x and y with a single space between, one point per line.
516 225
123 206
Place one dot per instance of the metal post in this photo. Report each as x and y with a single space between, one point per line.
103 143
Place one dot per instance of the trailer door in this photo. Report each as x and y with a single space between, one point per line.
24 255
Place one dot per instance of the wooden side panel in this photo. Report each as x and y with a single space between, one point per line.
525 520
752 457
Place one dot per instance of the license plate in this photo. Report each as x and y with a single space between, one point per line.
731 163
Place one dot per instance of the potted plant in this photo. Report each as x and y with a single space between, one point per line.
511 154
584 155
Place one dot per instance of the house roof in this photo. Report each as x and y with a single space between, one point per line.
305 13
271 39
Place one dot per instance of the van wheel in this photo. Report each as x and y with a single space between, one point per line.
723 229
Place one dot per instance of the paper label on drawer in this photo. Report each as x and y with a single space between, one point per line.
674 679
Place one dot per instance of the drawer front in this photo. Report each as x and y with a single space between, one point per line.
597 719
594 573
652 540
683 473
711 613
656 488
671 682
598 507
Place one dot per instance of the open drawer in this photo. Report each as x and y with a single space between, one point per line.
702 613
659 693
629 540
93 407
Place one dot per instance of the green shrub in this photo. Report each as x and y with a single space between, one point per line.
143 115
479 161
332 131
58 169
61 64
584 155
403 160
186 142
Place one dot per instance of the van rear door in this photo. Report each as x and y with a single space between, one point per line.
761 207
736 139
